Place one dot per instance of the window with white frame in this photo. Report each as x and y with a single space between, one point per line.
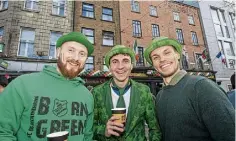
58 7
105 68
190 20
194 38
88 10
89 63
108 38
232 20
140 61
219 21
176 16
26 46
3 4
222 16
107 14
215 15
226 32
53 39
218 30
155 31
32 4
180 36
137 32
153 10
89 33
135 6
229 49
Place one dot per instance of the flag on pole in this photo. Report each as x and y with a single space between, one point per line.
222 56
205 55
135 46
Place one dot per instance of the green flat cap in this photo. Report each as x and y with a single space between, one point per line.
77 37
119 49
159 42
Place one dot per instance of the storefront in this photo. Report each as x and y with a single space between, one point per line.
143 75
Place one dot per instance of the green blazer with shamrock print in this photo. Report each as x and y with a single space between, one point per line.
141 109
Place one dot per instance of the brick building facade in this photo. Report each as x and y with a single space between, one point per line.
99 21
29 30
145 20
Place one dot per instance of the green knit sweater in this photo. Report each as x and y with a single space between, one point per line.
195 109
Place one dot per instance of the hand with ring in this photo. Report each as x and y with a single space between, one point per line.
113 128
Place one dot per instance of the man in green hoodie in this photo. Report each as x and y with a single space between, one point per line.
123 92
189 108
53 100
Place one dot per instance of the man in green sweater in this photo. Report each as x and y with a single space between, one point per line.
189 108
34 105
123 92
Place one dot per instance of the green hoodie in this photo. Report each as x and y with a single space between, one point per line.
37 104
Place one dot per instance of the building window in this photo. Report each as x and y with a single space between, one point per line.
180 36
135 6
89 33
218 30
190 20
194 38
229 49
58 7
227 32
104 65
176 16
108 38
1 32
222 16
32 4
3 4
88 10
199 61
107 14
155 31
153 10
215 15
89 63
26 47
53 39
137 32
140 61
232 20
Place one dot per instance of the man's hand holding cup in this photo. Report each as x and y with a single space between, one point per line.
115 125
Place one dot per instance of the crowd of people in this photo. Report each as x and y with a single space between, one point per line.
187 108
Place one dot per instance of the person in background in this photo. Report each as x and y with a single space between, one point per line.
122 92
189 108
55 99
3 83
231 94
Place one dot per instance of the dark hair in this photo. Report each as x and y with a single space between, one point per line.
3 81
232 79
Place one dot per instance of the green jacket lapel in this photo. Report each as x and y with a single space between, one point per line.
134 100
108 98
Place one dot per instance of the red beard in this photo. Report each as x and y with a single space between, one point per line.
70 74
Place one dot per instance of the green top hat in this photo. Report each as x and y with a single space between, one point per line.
77 37
119 49
159 42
